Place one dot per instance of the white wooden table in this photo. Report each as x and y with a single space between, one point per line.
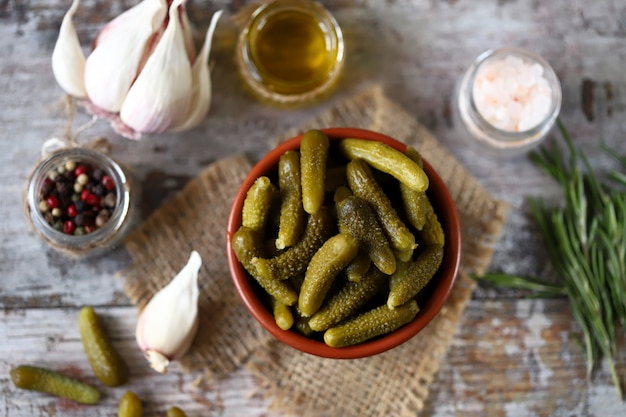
512 356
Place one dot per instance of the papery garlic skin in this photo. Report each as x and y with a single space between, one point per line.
68 60
169 322
120 50
201 82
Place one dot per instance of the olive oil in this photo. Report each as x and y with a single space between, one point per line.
291 52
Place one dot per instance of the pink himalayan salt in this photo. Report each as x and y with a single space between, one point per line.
512 94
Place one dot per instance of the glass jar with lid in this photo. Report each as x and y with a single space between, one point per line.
290 53
508 101
79 201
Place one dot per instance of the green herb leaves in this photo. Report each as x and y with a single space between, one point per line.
586 242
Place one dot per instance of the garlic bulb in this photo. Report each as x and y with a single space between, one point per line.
168 323
143 74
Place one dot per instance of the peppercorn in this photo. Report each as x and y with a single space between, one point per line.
109 200
80 205
80 169
74 195
52 202
99 190
92 200
69 227
97 174
108 182
71 210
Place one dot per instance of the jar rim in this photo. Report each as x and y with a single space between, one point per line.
251 75
493 135
98 237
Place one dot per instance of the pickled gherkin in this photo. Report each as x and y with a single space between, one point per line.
292 214
44 380
335 241
432 233
301 323
350 298
412 277
130 405
341 193
282 314
313 155
414 202
357 269
294 260
357 218
257 204
175 412
364 185
404 255
247 246
106 362
376 322
334 255
386 159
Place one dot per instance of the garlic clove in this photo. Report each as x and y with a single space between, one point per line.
169 322
68 60
160 96
114 63
190 47
201 82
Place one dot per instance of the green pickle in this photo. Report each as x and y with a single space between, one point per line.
357 218
130 405
257 204
376 322
107 364
364 185
314 148
356 270
294 260
301 323
432 233
247 246
342 263
414 201
292 214
413 276
350 298
44 380
386 159
175 412
341 193
334 255
282 314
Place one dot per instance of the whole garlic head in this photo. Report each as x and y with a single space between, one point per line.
143 74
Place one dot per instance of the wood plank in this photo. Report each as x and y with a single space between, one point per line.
511 356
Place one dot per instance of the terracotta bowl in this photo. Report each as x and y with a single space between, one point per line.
432 297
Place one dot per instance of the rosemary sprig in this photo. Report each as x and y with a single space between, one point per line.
586 243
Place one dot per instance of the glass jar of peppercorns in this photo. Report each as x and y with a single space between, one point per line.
78 200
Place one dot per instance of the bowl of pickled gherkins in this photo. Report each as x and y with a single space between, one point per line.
343 243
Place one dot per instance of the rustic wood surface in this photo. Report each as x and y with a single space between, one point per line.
512 356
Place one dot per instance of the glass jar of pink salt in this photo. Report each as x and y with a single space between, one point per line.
508 101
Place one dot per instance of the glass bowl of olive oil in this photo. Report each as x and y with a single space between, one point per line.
290 53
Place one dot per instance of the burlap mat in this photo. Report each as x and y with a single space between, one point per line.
394 383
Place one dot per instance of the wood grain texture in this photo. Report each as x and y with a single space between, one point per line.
511 357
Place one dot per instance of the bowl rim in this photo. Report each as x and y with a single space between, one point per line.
447 272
